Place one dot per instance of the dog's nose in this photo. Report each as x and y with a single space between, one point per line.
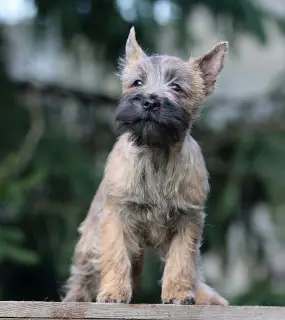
151 103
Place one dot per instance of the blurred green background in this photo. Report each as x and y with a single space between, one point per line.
58 93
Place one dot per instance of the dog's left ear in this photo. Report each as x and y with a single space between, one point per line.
134 52
211 64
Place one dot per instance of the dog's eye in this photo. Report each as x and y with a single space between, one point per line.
137 83
176 87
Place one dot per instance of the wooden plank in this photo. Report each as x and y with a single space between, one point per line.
12 310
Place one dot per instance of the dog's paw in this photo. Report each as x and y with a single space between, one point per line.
109 299
123 296
178 297
186 301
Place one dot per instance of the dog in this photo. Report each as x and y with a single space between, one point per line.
154 187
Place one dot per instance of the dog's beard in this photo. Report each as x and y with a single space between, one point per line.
159 127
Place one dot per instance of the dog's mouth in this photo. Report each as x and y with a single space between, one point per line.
143 118
150 116
154 126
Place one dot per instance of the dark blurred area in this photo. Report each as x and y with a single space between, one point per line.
58 93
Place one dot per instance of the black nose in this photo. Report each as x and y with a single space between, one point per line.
151 103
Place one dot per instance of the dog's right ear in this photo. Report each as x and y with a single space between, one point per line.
134 52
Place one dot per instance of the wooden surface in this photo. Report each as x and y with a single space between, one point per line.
10 310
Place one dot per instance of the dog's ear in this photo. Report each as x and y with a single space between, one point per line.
134 52
211 64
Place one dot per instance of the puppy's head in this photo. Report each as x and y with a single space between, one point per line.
161 94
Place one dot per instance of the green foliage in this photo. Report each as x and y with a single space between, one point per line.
12 248
260 294
100 20
13 193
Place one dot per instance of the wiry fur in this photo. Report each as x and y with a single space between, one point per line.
154 187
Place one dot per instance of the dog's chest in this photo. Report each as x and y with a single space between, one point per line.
156 224
158 196
159 183
161 192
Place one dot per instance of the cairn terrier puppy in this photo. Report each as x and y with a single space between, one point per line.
154 187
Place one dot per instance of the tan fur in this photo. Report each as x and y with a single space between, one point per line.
148 198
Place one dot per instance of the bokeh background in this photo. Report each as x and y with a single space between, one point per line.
58 93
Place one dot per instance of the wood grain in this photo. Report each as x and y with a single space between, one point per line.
11 310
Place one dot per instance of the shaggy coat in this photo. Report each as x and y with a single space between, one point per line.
154 187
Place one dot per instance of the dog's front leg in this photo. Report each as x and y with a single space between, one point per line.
115 257
179 278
